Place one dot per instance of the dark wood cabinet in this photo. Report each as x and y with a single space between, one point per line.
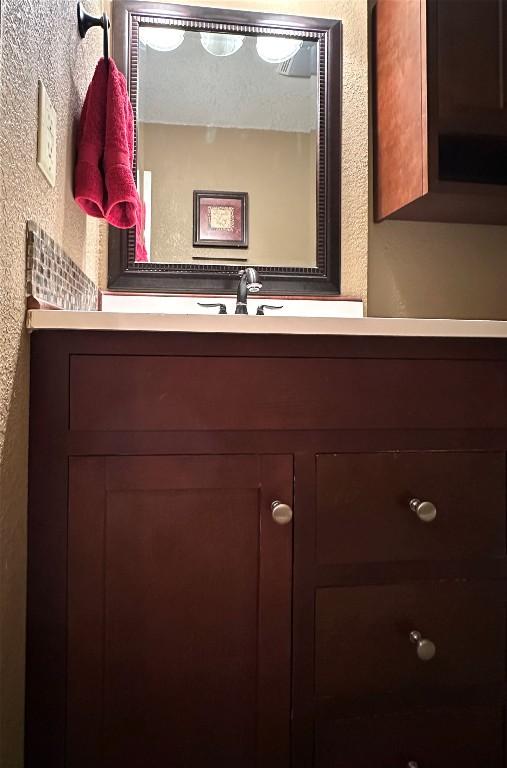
471 68
179 603
440 132
171 620
462 486
468 738
363 647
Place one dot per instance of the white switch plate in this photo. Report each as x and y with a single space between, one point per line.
46 137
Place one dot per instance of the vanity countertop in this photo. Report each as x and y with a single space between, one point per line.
321 326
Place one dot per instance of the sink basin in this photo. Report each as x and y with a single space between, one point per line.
188 305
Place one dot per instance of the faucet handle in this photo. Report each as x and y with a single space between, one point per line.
262 307
221 311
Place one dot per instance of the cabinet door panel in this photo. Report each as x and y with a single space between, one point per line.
470 55
401 157
118 392
179 612
441 738
363 646
372 521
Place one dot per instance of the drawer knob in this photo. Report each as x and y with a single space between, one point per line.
425 510
412 764
426 650
282 513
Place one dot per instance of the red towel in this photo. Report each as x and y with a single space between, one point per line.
124 208
104 181
121 192
89 190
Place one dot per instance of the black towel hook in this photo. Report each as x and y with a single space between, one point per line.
86 20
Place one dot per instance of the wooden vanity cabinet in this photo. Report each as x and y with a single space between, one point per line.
172 620
440 125
466 738
179 609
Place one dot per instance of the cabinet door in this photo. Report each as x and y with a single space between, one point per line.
472 118
179 602
364 651
360 522
439 738
470 56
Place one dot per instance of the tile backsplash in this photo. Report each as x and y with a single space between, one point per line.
52 277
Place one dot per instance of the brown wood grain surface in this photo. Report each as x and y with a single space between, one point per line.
139 441
401 117
179 612
133 393
362 640
439 738
440 123
371 521
470 59
46 641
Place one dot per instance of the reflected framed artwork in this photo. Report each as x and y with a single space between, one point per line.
220 219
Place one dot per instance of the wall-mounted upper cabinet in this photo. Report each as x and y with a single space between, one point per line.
440 77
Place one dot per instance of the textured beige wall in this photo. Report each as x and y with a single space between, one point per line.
38 39
437 270
183 158
354 14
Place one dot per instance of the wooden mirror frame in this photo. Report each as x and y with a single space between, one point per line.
124 274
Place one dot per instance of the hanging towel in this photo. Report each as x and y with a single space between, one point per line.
106 143
89 189
122 206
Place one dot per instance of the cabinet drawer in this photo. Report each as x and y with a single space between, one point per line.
470 738
363 645
364 512
146 392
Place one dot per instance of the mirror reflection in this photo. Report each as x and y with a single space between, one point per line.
227 147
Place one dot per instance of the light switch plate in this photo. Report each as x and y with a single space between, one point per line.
46 137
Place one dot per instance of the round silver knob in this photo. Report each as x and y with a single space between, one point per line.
426 650
282 513
425 510
412 764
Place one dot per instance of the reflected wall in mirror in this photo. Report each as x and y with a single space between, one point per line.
246 109
214 114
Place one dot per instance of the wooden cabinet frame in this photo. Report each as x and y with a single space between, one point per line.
53 443
409 120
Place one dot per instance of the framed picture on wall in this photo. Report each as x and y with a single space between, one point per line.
220 219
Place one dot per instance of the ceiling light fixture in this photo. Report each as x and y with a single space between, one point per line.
274 50
161 38
219 44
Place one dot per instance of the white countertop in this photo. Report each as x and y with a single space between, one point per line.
182 304
38 319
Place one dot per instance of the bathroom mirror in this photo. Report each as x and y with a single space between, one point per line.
237 152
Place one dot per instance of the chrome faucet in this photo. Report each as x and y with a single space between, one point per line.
248 283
